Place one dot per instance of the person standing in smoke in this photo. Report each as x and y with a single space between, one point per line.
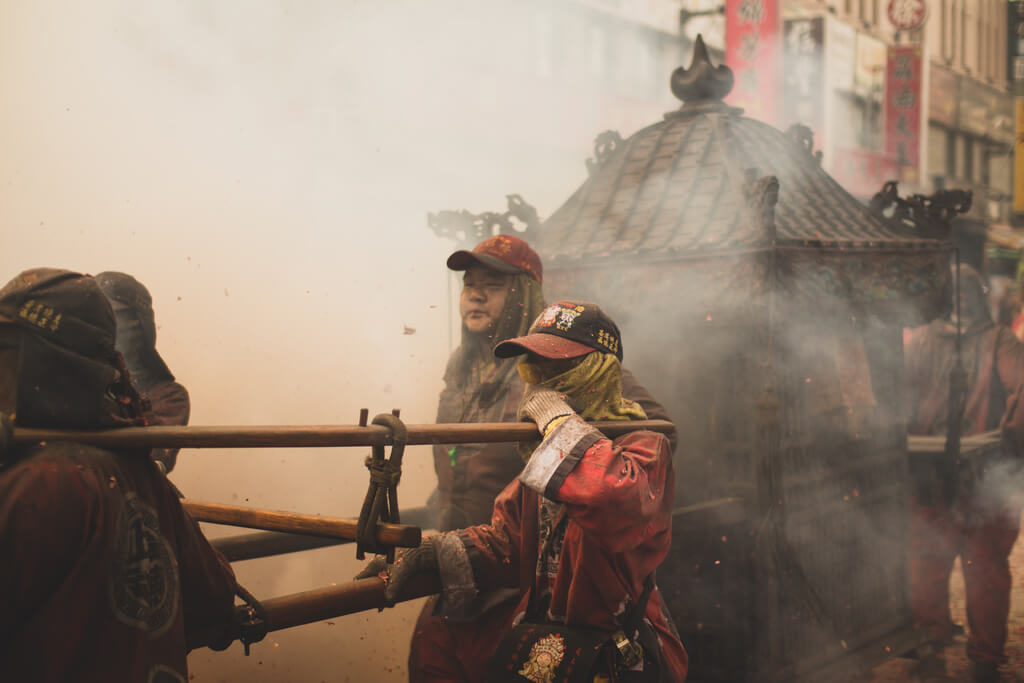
136 340
501 296
951 518
580 531
104 577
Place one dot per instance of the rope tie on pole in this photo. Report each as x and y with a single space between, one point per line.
381 502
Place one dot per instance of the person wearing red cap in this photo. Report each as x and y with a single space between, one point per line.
104 576
501 296
579 532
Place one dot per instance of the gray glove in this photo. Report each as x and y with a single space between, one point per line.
419 560
543 405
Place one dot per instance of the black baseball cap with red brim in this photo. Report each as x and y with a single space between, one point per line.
567 329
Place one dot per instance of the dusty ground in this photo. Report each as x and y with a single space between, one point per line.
956 661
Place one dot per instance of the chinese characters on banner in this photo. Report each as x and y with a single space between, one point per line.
1015 76
1015 46
903 78
804 75
751 51
1018 158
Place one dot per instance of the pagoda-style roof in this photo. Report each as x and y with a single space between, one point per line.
707 178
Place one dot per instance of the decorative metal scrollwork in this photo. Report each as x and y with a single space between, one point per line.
467 229
605 145
804 137
922 215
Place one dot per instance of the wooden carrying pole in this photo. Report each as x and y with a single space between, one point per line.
307 607
269 543
322 436
397 535
334 601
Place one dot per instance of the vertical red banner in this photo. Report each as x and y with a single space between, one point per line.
903 81
752 52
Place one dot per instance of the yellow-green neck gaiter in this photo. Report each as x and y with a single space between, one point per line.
594 388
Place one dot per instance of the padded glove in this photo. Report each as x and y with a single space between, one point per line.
542 406
412 562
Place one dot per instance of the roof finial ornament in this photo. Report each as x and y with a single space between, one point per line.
702 81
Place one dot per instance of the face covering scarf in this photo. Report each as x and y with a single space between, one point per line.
593 388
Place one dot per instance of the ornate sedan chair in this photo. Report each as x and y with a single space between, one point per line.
764 306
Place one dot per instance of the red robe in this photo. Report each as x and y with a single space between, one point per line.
993 359
983 538
585 523
104 576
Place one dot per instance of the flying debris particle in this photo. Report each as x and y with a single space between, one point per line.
112 482
179 298
408 330
843 643
808 380
433 305
709 317
225 291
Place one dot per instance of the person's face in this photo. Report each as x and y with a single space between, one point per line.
483 296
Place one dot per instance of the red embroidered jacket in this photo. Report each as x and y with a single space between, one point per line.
585 523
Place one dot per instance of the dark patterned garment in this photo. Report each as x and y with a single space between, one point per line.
104 576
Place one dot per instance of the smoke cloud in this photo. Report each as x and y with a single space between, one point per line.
265 168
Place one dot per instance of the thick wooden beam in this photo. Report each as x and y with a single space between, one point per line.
322 436
397 535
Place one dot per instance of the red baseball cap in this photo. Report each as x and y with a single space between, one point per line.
503 253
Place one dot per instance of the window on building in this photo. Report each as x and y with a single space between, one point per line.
969 158
963 34
981 25
944 40
950 154
986 159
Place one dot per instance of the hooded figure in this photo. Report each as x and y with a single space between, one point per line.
105 577
980 531
136 340
579 532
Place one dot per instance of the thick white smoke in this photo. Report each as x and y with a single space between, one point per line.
265 168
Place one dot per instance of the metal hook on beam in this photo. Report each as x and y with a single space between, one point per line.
381 502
